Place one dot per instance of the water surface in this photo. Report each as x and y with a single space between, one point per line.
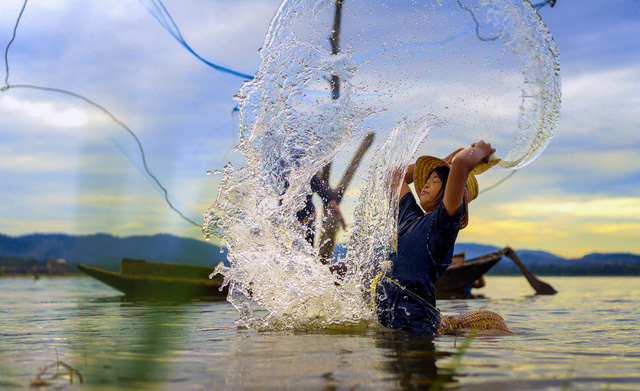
585 337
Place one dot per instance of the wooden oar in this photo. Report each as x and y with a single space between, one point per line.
541 288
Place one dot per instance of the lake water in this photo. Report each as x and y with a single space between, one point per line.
585 337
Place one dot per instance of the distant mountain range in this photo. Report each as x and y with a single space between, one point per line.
545 263
107 250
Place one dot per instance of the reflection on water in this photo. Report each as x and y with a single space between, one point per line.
585 337
410 359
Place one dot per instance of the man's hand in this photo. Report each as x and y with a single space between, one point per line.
485 148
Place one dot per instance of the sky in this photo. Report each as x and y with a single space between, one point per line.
66 167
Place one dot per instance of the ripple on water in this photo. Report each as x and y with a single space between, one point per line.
128 345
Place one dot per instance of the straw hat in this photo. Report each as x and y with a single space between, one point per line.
426 164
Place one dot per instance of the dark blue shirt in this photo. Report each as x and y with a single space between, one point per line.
425 250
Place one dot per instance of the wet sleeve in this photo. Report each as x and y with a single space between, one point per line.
320 187
408 210
443 233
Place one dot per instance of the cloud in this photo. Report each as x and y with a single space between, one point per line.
230 32
60 171
568 224
47 113
568 237
602 85
600 102
615 228
593 166
46 162
598 35
619 209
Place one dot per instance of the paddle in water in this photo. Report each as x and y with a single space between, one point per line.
541 288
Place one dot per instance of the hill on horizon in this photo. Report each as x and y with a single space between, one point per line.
546 263
107 250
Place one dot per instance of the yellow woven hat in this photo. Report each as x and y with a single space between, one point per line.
426 164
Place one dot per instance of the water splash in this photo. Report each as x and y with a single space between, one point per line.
405 70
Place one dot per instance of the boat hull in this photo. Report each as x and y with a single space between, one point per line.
457 278
148 280
168 281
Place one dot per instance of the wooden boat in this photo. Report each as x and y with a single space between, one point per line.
170 281
459 276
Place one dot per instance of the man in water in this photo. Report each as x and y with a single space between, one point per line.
307 215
